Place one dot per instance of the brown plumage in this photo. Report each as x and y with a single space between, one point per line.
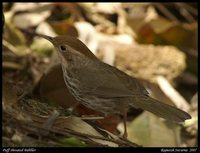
103 87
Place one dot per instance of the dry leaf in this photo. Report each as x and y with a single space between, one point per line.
27 20
151 131
76 124
87 34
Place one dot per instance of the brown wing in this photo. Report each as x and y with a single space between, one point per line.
106 81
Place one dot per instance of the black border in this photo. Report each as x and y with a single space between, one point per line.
96 149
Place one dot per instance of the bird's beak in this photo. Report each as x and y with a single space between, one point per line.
51 39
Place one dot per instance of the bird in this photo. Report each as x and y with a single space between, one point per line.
103 87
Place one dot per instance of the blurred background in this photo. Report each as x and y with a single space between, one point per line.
154 42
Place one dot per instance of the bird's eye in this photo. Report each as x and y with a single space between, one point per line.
63 48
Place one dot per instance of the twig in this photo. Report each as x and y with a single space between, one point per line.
188 7
183 11
10 46
166 12
171 93
38 127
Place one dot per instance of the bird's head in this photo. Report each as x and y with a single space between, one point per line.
69 47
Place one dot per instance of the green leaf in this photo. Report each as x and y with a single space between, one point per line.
72 142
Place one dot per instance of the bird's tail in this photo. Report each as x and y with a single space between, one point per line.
160 109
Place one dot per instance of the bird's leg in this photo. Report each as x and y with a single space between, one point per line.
125 130
49 122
